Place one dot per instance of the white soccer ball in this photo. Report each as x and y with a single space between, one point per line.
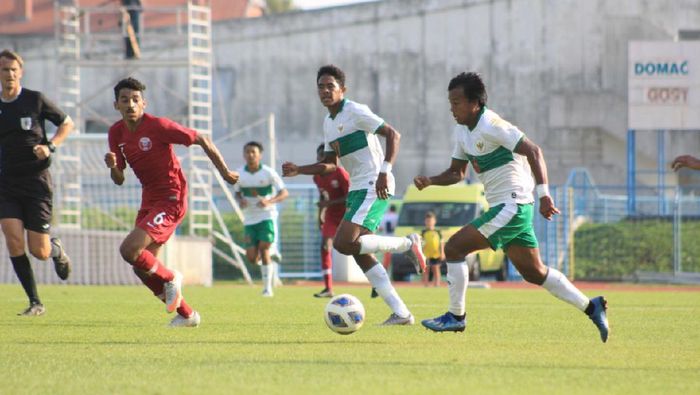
344 314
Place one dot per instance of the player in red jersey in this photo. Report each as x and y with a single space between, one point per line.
333 188
145 143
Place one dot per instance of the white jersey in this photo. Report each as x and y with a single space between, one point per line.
489 147
351 135
263 183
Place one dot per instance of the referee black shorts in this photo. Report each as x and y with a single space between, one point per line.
28 198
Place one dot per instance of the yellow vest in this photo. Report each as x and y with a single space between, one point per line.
431 243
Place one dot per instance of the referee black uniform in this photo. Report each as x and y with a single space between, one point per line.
26 191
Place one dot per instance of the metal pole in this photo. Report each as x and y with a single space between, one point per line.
677 232
631 173
572 232
273 143
661 170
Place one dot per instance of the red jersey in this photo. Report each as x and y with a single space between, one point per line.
149 152
334 186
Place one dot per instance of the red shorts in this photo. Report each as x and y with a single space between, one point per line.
330 226
161 219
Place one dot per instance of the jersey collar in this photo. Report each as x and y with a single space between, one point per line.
13 99
481 116
253 172
342 104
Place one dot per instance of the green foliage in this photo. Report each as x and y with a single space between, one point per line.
615 250
280 6
113 340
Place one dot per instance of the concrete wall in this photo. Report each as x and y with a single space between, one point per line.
555 68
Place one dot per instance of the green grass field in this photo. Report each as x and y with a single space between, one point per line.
104 340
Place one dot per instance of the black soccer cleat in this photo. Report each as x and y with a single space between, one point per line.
62 262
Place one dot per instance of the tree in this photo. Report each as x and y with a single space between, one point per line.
280 6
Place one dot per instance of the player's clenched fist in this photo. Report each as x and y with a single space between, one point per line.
111 160
421 182
231 177
289 169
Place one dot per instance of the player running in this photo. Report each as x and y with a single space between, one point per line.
333 190
258 200
26 189
146 143
497 150
350 131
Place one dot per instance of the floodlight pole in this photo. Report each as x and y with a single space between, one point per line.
661 170
631 173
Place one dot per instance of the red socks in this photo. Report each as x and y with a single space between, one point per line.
326 268
150 264
156 286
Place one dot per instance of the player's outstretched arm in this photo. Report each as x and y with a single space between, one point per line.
115 172
327 165
535 158
215 156
453 175
688 161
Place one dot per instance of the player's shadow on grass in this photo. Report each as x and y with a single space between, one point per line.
200 342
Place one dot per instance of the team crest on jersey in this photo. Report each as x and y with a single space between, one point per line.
334 183
340 128
480 145
145 144
26 123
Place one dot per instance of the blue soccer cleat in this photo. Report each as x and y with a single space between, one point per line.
445 323
599 317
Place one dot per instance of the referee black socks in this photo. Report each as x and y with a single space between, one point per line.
26 277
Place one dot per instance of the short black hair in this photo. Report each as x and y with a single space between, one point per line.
253 144
333 71
128 83
321 147
472 86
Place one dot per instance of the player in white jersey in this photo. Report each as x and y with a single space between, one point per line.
498 152
350 132
258 190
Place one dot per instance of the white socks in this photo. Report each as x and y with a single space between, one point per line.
370 244
268 273
457 281
379 279
560 286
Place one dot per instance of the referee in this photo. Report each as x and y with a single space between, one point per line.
25 183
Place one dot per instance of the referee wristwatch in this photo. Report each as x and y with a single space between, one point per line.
51 146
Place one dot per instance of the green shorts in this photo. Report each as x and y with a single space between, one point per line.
365 208
507 224
262 231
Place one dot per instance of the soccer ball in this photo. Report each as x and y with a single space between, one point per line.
344 314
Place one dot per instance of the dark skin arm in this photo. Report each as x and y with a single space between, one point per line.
688 161
215 156
454 174
534 156
115 173
393 138
327 165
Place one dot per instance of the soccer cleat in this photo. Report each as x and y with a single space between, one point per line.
600 317
415 253
374 293
445 323
62 262
267 293
182 322
173 292
34 309
325 293
394 319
